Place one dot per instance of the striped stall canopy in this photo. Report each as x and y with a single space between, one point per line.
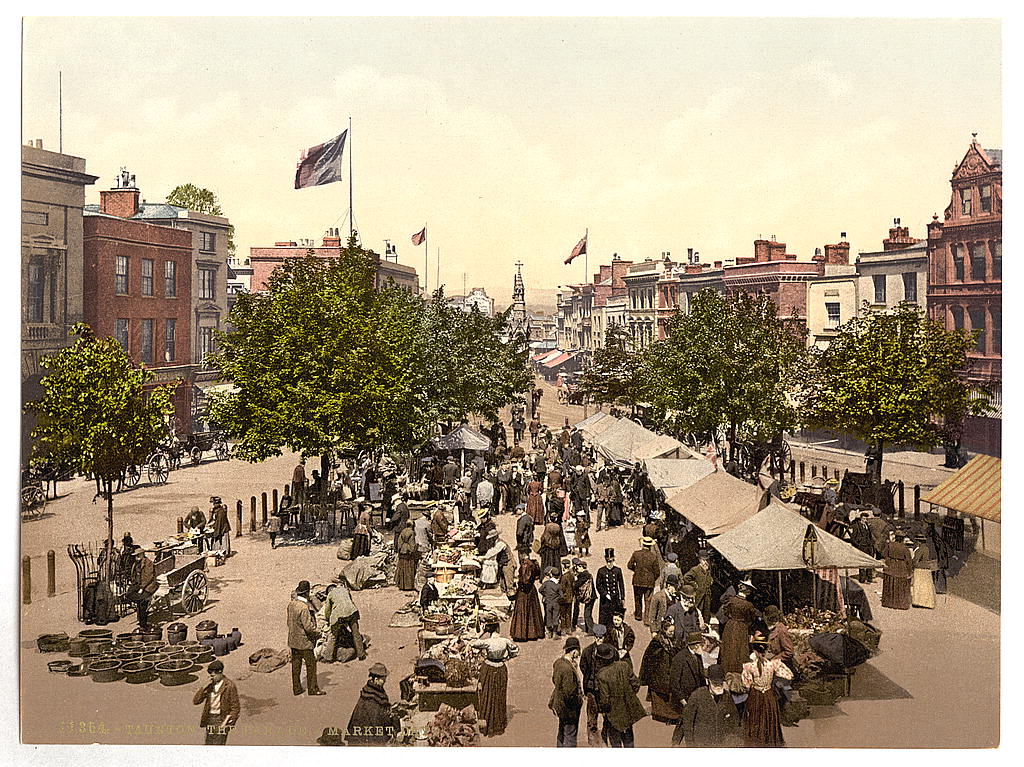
976 489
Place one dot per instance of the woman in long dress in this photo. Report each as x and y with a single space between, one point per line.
527 622
494 679
535 501
922 586
408 558
583 533
899 570
739 613
361 535
552 546
763 725
656 674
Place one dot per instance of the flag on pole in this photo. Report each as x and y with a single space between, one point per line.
579 250
321 164
419 237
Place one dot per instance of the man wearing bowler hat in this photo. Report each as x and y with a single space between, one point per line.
700 579
646 567
302 637
567 697
372 722
220 705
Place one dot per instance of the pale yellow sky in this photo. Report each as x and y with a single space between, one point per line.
509 137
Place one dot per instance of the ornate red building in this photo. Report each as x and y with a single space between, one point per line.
965 278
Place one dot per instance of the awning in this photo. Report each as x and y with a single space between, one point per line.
548 355
555 362
465 437
620 440
673 474
716 503
976 489
779 539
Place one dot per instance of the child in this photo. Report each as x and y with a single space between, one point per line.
550 594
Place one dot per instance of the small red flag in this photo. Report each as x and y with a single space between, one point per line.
419 237
580 249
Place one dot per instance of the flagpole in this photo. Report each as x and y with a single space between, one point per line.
426 255
351 221
438 284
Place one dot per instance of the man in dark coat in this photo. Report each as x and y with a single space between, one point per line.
589 666
147 586
646 567
700 578
567 697
220 705
621 635
302 636
524 533
940 551
372 722
687 672
219 523
710 719
585 596
567 595
610 588
684 613
617 686
550 596
860 537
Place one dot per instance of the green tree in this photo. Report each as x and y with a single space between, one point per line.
320 359
96 415
615 374
730 362
200 200
892 378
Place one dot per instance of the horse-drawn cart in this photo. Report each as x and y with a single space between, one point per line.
179 583
201 442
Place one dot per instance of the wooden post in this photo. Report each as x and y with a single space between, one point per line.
252 514
917 501
263 504
51 569
982 534
903 500
835 472
779 573
792 470
26 580
814 471
275 501
802 472
238 517
181 525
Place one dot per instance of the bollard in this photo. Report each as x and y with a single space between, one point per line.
835 472
275 501
263 499
238 517
814 471
26 580
802 472
252 514
917 501
51 573
903 502
181 525
792 470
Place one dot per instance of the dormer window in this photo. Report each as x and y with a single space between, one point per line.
965 202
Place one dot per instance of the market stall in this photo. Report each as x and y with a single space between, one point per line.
716 503
625 442
974 490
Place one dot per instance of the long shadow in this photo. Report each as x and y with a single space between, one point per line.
255 706
871 684
975 577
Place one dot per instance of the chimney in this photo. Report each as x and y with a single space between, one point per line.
718 264
123 199
776 250
761 252
838 254
899 237
332 239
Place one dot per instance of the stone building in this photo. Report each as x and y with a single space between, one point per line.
965 286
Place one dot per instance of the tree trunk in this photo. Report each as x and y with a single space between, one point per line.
878 463
109 543
732 441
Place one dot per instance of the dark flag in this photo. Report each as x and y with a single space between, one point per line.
419 237
321 164
579 250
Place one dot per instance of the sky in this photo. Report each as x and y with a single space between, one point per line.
510 137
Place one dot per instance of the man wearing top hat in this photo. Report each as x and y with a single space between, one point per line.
372 723
646 567
700 579
567 697
302 637
524 532
610 588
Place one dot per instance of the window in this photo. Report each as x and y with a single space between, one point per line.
207 283
958 317
121 275
978 261
978 323
832 310
997 329
207 241
170 331
170 279
997 260
147 276
205 342
958 261
121 332
36 289
986 198
879 280
910 287
965 202
146 341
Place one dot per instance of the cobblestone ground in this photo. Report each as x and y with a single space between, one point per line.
898 699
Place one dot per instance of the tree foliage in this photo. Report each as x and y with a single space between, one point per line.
891 377
614 376
729 362
324 358
200 200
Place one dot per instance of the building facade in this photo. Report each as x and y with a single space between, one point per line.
476 299
137 288
642 302
965 286
773 272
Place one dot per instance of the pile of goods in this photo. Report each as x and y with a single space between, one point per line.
453 728
461 663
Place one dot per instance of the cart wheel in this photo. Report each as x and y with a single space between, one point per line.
194 592
132 475
785 456
220 448
856 496
158 469
197 455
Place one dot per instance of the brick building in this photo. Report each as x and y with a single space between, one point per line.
965 271
263 261
137 287
776 273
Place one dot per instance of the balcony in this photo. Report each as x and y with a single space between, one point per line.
43 332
